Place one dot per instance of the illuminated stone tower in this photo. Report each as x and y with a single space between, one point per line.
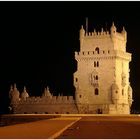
102 76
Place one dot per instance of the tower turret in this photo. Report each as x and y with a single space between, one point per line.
44 93
113 29
124 33
82 32
11 91
15 94
24 94
47 93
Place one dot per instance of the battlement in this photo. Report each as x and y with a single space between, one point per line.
101 53
103 34
97 34
91 53
45 99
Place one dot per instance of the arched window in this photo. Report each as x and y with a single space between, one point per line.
122 92
76 79
96 91
96 77
97 50
94 64
97 63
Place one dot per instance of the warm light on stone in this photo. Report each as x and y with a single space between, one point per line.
102 77
101 80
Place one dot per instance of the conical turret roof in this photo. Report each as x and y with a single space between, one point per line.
24 94
46 92
15 90
10 91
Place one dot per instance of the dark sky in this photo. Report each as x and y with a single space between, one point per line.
38 40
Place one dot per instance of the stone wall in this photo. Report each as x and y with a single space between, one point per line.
47 105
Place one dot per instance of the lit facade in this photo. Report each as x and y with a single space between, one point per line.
101 80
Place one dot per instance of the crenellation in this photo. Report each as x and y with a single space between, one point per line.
99 35
102 30
54 98
103 53
70 98
103 34
64 98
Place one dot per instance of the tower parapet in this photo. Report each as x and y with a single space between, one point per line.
102 34
98 34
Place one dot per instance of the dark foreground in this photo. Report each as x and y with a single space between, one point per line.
6 120
104 127
72 127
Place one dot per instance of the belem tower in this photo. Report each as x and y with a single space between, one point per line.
101 81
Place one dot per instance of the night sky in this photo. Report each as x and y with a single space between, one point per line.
38 40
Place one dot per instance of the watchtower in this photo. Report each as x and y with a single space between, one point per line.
102 76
